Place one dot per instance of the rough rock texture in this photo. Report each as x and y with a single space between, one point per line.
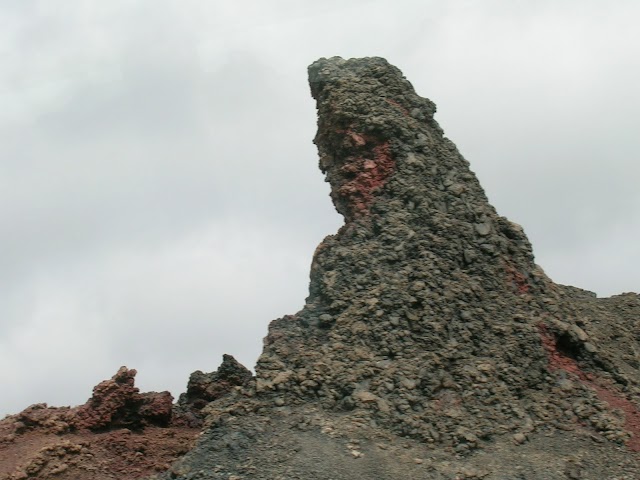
203 388
118 433
117 403
431 345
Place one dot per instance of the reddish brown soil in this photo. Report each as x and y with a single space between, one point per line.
122 453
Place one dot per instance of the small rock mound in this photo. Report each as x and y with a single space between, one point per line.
203 388
117 403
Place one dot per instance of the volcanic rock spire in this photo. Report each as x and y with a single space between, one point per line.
426 311
410 317
393 174
427 317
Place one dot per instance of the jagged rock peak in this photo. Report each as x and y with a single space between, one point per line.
363 106
393 173
372 126
203 388
426 311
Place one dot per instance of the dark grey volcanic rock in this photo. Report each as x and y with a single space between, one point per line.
204 388
431 345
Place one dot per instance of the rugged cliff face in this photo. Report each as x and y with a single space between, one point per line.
431 345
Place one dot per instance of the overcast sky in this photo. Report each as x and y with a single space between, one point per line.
159 192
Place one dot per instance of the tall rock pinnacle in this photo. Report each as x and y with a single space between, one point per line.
398 181
426 311
427 318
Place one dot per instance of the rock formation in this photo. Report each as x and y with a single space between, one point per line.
428 326
204 388
431 346
118 433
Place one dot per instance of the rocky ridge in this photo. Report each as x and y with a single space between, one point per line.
118 433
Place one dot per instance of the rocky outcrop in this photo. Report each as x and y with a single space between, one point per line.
204 388
427 320
118 433
117 403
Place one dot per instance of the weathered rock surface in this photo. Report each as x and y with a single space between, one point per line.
118 433
117 403
204 388
431 345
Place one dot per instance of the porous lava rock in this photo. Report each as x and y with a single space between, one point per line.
117 403
118 433
203 388
431 345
